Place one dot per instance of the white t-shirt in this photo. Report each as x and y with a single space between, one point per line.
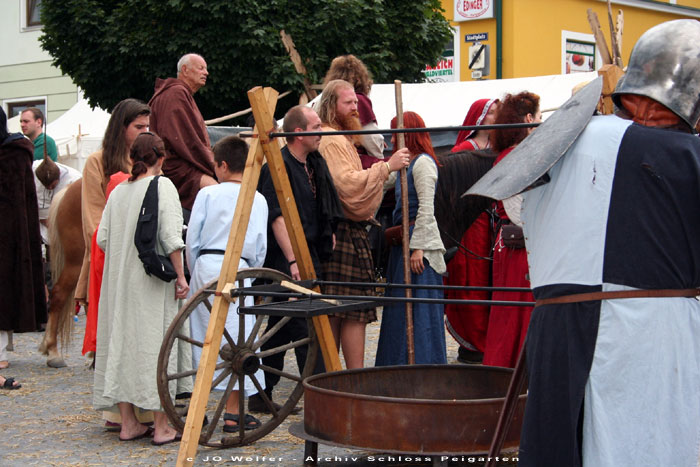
44 195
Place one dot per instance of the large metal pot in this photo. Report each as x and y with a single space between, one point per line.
427 409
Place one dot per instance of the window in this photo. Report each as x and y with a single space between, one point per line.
580 56
16 107
33 9
578 53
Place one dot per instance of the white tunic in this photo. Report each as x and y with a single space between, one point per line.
208 229
44 196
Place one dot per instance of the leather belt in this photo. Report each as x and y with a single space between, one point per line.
211 251
615 294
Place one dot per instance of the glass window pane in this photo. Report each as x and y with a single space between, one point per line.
33 8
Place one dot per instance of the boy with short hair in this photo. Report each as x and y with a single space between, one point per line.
207 236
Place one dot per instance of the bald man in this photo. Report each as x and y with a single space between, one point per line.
175 117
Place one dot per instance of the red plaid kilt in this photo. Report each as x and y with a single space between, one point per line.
351 262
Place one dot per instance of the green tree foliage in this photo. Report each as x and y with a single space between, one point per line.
115 49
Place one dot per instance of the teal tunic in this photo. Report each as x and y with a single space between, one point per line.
51 148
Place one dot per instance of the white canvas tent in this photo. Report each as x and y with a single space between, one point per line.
13 125
446 104
78 133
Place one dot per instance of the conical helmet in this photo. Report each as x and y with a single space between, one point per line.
665 66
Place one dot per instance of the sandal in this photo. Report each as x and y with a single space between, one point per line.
10 384
251 423
146 434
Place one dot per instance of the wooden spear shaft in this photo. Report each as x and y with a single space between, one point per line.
510 403
400 144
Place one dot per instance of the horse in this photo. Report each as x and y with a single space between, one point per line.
67 248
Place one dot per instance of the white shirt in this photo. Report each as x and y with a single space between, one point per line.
44 196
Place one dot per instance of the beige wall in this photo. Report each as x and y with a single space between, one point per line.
25 68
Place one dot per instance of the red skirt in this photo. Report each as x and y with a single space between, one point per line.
97 263
508 324
467 323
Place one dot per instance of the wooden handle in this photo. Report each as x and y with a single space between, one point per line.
300 289
400 144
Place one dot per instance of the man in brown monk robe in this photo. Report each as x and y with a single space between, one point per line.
175 117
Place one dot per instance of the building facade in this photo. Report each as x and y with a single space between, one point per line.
523 38
27 78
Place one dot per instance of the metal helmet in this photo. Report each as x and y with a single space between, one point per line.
665 66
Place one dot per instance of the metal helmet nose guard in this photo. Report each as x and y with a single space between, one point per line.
665 66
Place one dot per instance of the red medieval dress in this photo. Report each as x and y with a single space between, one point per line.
97 262
507 324
468 323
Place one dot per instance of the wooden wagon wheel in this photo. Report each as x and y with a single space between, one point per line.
241 357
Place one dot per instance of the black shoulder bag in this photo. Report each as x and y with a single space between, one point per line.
146 236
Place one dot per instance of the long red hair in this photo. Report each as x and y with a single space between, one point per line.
417 143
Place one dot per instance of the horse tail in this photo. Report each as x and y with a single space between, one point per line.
59 211
56 255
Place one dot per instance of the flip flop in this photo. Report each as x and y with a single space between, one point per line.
251 423
177 438
146 434
10 384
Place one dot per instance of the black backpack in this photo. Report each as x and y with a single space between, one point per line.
146 236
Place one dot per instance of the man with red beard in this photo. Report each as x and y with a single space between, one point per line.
360 193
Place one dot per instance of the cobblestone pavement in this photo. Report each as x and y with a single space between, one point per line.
50 421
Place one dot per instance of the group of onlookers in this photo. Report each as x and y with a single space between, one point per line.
611 348
338 182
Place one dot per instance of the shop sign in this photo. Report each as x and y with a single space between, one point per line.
442 72
467 10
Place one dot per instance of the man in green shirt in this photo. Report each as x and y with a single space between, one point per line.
32 122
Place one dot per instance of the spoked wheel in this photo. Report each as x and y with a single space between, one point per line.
238 358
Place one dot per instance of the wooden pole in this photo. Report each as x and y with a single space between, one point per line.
599 37
400 144
508 410
619 25
295 229
616 50
46 148
217 320
263 103
240 113
298 65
